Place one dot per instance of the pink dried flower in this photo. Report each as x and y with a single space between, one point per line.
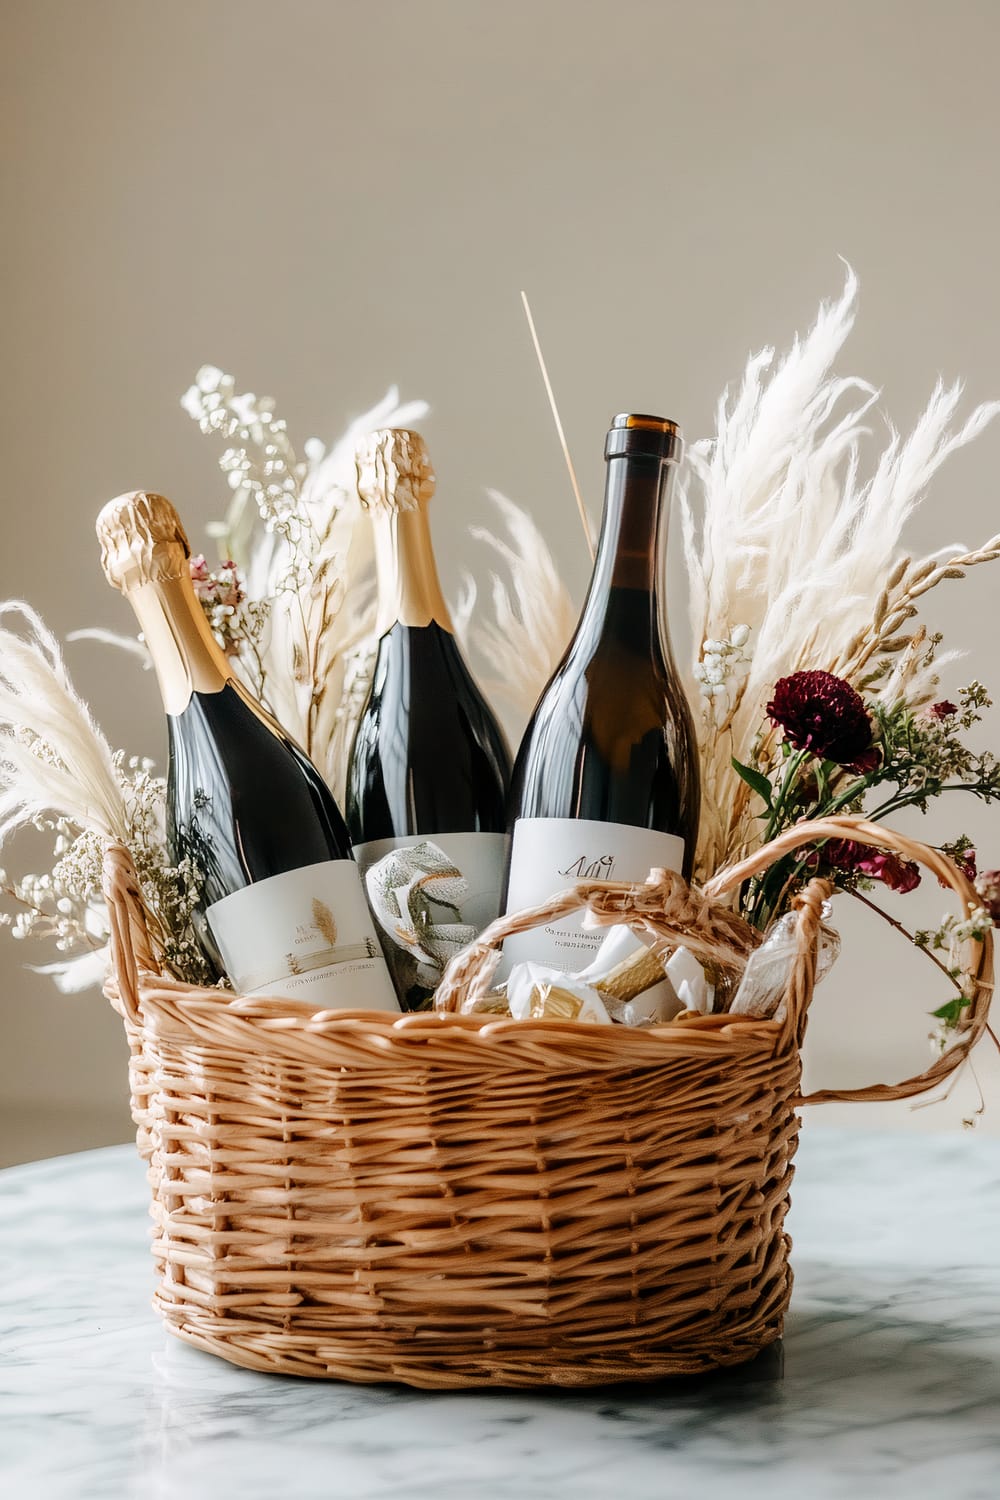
965 859
878 864
221 586
988 890
220 594
819 711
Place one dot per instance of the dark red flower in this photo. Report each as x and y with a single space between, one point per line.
867 761
822 713
943 710
988 887
878 864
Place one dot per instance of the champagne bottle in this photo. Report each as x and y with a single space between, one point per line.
429 766
605 783
282 910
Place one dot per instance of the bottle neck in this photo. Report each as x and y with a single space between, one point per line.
409 591
185 654
633 538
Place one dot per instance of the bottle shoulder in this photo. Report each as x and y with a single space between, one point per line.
422 683
237 775
611 739
429 755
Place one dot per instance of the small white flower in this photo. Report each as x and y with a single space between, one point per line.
192 402
245 408
209 378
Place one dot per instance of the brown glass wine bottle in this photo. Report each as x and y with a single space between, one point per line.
605 784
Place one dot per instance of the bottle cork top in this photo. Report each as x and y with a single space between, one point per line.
394 469
142 540
640 436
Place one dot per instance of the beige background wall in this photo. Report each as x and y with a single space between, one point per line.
328 197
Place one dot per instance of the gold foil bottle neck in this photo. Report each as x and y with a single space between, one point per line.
395 481
145 552
142 541
394 470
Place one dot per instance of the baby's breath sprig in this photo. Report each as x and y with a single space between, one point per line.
296 554
949 939
64 905
721 669
261 461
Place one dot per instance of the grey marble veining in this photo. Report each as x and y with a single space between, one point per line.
891 1383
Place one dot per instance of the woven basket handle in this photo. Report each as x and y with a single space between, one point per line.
979 955
664 907
131 950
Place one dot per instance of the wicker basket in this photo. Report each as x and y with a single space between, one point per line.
450 1201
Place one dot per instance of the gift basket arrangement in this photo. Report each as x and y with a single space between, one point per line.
455 1068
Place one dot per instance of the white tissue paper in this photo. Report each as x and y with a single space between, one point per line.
530 995
684 987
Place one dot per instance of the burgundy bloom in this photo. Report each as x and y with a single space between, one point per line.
878 864
988 887
822 713
943 710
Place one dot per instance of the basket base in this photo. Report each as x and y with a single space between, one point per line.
505 1370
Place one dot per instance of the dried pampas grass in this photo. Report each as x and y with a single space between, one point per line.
54 760
59 775
533 613
782 535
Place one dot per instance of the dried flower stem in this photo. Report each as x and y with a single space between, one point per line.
910 936
584 518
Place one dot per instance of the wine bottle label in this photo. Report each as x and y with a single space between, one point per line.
550 854
306 935
430 896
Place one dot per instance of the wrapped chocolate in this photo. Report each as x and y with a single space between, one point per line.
629 981
537 992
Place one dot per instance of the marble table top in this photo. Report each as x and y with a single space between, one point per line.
890 1383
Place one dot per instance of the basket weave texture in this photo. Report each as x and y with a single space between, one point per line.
447 1200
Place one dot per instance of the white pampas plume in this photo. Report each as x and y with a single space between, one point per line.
71 976
54 761
533 613
793 543
130 644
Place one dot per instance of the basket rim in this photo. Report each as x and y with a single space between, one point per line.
280 1028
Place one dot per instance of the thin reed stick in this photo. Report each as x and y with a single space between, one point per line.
584 518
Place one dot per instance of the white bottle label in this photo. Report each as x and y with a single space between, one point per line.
430 895
307 935
551 854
